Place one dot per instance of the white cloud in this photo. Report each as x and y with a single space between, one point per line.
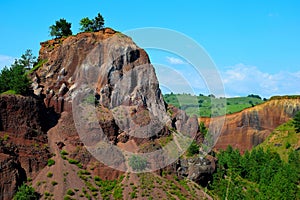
241 80
175 61
6 61
238 80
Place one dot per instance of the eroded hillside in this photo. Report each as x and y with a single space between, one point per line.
250 127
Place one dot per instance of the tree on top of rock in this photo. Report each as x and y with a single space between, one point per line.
60 28
88 25
98 22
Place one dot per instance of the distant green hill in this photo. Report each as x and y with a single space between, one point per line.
207 106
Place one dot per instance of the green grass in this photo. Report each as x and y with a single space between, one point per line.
282 140
37 66
206 106
10 92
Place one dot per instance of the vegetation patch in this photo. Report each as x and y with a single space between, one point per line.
70 192
193 149
37 66
50 175
14 80
26 192
54 183
50 162
257 174
137 163
208 106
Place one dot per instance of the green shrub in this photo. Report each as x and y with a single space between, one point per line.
97 178
70 192
73 161
26 192
66 197
137 163
5 137
50 162
54 183
118 193
193 149
83 172
133 195
49 175
64 152
79 165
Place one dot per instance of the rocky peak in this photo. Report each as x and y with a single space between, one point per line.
108 61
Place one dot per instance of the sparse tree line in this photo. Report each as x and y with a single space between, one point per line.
62 28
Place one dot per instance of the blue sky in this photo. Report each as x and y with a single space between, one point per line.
254 44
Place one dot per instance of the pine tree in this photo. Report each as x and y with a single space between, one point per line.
296 122
60 29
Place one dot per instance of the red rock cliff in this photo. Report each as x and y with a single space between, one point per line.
24 122
250 127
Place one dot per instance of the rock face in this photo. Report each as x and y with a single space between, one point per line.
250 127
110 62
24 122
197 169
100 79
103 79
106 67
184 124
11 175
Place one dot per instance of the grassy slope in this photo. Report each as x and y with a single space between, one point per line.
206 106
282 140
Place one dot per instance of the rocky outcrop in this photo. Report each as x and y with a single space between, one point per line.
106 68
108 61
250 127
197 169
184 124
24 122
11 175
